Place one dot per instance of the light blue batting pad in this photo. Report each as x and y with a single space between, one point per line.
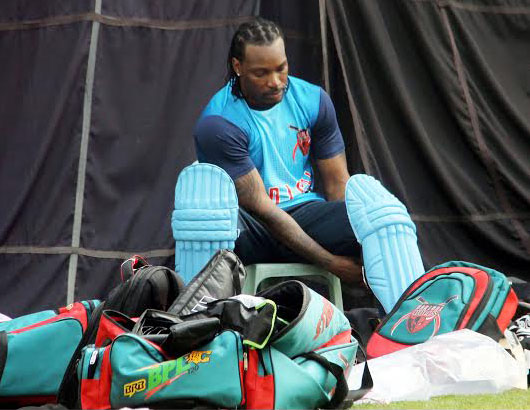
383 227
205 217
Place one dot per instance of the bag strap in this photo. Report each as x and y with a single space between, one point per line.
166 286
3 352
235 277
341 389
366 382
68 393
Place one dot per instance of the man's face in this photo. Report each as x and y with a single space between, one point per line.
263 74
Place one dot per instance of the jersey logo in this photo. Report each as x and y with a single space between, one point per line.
303 141
423 314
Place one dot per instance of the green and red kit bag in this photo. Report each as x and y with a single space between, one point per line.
132 372
454 295
305 363
311 380
35 350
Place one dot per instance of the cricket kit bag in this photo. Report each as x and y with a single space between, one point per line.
35 350
143 287
454 295
304 364
287 353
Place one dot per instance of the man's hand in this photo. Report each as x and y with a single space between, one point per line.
346 269
252 196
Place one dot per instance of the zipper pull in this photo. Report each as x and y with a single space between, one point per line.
93 363
245 361
93 357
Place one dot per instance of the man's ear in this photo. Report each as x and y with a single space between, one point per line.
236 65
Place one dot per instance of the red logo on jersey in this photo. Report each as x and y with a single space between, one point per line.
303 141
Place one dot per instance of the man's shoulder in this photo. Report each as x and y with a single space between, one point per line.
302 89
216 125
303 84
224 105
305 96
219 101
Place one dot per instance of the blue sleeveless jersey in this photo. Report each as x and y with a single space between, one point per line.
277 141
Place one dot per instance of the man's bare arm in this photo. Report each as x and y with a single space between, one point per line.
252 197
334 175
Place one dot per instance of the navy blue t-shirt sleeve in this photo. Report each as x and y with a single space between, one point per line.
219 142
326 138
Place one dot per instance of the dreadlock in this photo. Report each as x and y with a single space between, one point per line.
258 32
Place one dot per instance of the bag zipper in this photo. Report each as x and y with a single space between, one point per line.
93 363
418 291
244 348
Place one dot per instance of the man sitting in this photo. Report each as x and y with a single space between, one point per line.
269 131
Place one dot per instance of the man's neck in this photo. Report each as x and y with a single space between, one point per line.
259 107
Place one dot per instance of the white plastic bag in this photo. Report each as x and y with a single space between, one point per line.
460 362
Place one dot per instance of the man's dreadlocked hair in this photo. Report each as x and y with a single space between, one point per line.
258 32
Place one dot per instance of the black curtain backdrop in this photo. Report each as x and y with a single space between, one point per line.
97 104
98 100
438 101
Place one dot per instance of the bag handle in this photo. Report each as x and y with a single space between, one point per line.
341 389
366 385
366 382
130 266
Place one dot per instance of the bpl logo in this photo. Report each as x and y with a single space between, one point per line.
198 356
134 387
161 375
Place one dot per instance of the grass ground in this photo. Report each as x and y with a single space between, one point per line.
513 399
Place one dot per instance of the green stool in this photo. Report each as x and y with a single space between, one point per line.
259 272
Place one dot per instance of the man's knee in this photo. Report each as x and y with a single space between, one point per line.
328 224
254 244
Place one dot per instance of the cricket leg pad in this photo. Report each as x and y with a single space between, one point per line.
383 227
205 217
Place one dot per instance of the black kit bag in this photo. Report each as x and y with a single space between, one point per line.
143 287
